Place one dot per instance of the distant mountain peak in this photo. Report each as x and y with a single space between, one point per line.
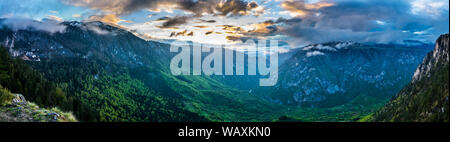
330 46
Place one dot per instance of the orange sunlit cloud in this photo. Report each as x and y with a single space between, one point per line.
301 8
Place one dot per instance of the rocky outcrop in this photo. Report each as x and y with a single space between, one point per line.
426 98
19 99
15 108
440 54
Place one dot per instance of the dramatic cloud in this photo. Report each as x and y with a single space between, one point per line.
263 28
198 7
174 21
207 21
235 7
302 8
288 21
361 21
49 25
231 28
193 9
299 22
108 18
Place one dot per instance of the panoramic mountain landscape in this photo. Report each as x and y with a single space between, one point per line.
96 67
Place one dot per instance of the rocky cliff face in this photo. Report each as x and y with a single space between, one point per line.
426 97
439 55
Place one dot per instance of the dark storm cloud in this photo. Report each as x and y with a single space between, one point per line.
284 20
163 18
235 7
175 21
207 21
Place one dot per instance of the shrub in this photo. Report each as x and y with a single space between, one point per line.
5 97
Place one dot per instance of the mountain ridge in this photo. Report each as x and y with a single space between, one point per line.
338 69
426 97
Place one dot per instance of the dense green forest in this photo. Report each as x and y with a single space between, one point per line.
19 77
99 97
98 91
120 93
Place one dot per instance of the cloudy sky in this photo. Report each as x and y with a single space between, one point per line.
297 22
